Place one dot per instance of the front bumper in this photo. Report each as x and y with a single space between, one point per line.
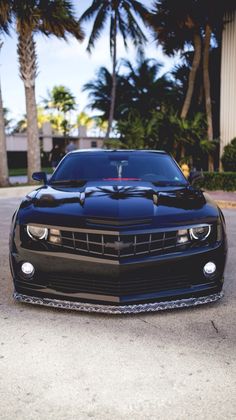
118 310
164 282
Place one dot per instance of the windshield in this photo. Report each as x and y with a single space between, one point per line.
110 166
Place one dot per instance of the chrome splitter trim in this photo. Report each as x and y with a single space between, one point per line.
117 310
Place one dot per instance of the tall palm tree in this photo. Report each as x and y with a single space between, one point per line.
176 26
49 17
193 22
121 14
4 28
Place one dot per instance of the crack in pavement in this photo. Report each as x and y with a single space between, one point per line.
214 326
146 322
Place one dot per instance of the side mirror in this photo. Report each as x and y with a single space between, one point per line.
40 176
195 176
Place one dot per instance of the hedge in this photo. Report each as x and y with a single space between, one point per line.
218 181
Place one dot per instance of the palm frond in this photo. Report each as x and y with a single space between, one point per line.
139 9
98 26
89 13
51 17
135 32
5 16
123 29
58 18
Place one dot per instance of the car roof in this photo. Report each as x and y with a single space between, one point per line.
98 150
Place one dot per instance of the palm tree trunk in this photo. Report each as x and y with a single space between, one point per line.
192 74
191 81
113 90
207 90
3 152
28 72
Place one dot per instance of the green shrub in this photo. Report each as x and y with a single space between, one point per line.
218 181
229 156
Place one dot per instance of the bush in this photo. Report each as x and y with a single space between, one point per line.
229 156
218 181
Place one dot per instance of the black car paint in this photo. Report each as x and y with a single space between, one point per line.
114 206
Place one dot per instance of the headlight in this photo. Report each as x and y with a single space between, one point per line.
200 233
37 232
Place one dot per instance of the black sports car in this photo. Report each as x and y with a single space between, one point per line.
117 232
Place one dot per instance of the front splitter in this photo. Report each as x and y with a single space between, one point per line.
121 309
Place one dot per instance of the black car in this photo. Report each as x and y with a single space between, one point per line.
118 232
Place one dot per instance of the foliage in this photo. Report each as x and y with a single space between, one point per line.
229 156
140 88
99 91
132 131
60 102
85 120
121 14
145 89
50 17
61 99
7 120
113 144
122 19
218 181
42 117
164 131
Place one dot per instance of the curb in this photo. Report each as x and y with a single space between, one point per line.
226 204
16 192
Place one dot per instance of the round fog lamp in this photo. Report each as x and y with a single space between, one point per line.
27 269
209 268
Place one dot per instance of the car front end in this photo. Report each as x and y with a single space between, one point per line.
116 247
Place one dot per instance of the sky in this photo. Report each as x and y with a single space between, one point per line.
65 63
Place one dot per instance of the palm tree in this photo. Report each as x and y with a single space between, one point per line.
121 15
192 22
99 92
61 99
4 27
49 17
144 90
141 89
175 27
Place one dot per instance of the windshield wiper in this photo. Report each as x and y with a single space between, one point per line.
169 183
69 182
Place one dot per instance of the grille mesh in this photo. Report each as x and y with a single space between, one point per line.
117 245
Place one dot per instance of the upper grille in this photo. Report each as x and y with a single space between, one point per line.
113 245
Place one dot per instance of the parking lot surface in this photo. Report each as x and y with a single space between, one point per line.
56 364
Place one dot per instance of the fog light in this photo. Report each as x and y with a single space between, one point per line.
209 268
27 269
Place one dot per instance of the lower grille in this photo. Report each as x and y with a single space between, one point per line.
138 282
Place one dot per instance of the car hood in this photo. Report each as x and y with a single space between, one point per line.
118 204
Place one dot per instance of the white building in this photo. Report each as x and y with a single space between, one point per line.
18 142
228 83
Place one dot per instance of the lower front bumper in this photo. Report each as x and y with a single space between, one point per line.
121 309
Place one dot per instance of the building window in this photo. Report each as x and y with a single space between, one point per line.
93 143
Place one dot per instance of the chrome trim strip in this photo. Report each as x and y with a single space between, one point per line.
121 232
120 309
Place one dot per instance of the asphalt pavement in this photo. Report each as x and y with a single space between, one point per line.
57 364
